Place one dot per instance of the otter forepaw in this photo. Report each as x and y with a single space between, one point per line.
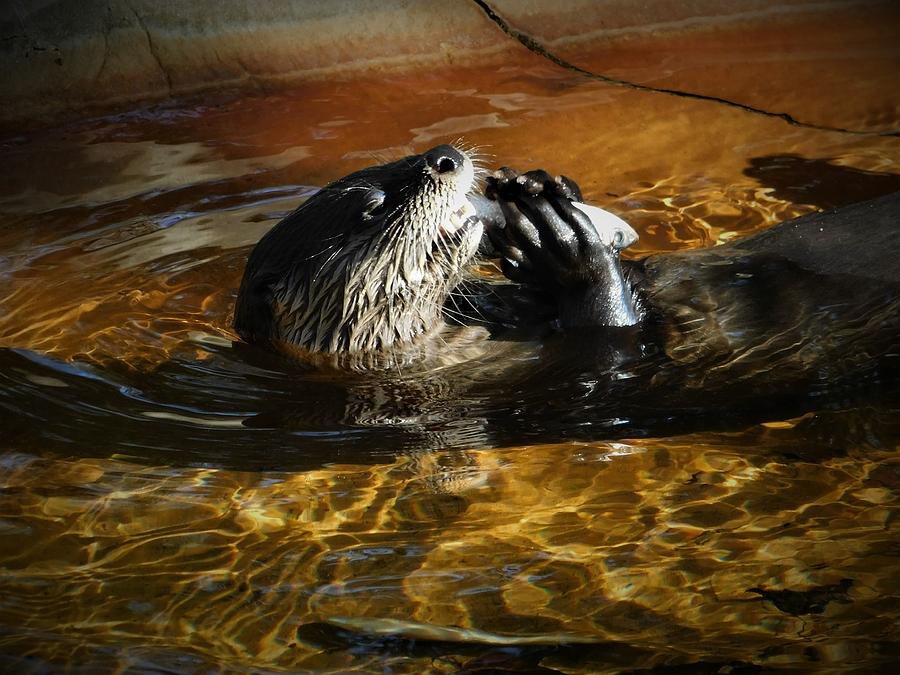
546 239
548 242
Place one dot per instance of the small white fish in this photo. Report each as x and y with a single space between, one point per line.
613 230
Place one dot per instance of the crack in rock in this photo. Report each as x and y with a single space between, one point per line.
533 45
152 48
107 29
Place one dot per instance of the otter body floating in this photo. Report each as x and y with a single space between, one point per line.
366 266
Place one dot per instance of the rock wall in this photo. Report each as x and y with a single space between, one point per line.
73 57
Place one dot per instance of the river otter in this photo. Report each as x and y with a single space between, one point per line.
780 320
365 266
802 317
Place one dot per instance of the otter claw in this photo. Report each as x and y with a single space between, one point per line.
568 188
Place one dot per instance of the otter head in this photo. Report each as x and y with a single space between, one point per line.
367 262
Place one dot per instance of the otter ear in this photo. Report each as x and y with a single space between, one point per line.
374 200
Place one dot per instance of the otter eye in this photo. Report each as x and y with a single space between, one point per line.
374 201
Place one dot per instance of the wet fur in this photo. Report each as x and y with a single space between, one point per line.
339 276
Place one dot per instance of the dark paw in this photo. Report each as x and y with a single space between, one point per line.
546 239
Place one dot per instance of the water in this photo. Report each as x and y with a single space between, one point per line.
171 504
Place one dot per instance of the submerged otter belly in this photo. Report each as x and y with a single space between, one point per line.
812 300
832 262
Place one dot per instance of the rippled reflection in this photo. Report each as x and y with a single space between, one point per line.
169 501
656 544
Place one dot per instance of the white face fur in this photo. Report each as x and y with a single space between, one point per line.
374 255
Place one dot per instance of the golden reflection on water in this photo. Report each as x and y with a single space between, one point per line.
123 244
654 543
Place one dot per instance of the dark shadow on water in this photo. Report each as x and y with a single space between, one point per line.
820 182
473 657
469 657
811 601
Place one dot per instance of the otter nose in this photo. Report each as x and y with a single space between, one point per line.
444 159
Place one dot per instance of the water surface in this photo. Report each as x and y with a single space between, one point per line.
169 504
